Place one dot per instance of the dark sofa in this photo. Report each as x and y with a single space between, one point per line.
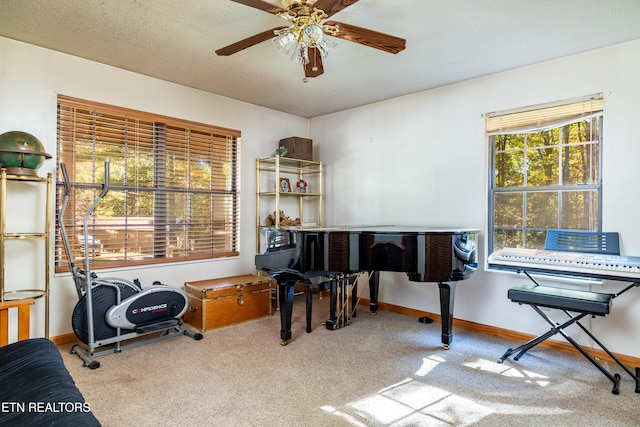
36 388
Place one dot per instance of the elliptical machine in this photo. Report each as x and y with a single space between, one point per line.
113 310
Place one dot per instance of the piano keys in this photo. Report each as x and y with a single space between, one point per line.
592 265
440 255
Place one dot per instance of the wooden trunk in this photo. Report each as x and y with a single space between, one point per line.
220 302
299 148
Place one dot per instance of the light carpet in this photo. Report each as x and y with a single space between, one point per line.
380 370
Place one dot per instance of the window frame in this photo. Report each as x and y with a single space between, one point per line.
535 120
215 149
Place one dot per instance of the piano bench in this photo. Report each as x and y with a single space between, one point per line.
594 303
582 304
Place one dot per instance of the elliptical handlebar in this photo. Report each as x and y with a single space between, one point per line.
78 280
65 180
105 190
85 221
105 186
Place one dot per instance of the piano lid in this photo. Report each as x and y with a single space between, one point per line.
387 229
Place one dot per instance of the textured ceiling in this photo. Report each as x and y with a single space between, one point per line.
447 41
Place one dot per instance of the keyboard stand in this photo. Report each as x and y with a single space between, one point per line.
570 302
576 304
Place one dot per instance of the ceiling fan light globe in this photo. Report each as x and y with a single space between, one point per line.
311 34
284 43
300 55
324 46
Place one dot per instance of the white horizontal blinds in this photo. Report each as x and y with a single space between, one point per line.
547 116
174 188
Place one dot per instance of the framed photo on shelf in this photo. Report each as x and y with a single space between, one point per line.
285 185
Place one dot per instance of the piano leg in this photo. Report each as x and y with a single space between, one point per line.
374 283
447 296
286 289
332 322
309 304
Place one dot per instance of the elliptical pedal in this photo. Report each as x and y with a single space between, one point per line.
144 329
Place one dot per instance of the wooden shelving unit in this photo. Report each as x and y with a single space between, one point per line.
270 196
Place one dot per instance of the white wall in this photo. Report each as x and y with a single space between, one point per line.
423 159
31 78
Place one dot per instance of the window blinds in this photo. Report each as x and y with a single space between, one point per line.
542 117
174 185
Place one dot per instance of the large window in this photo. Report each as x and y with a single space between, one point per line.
174 187
545 172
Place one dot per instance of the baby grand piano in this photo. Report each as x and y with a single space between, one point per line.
442 256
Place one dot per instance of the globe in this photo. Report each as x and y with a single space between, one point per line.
21 153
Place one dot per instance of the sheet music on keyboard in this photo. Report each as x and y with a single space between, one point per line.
604 266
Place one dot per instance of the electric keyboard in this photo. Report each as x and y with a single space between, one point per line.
602 266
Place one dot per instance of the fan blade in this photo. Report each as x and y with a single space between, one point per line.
248 42
314 68
262 5
369 38
331 7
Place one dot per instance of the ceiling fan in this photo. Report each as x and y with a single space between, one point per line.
305 39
